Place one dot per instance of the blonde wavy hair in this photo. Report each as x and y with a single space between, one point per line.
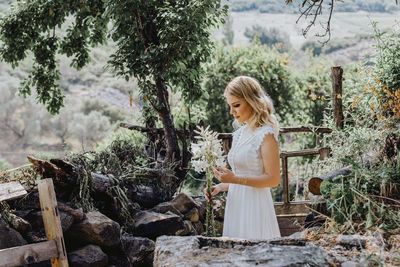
250 90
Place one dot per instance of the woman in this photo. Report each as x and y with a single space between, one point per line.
254 159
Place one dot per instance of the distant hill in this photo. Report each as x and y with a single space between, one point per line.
279 6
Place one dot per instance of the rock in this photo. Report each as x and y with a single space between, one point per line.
9 237
165 207
201 206
19 224
35 218
96 229
151 224
88 256
139 250
181 204
192 215
219 209
199 227
351 241
349 264
77 214
188 229
203 251
66 221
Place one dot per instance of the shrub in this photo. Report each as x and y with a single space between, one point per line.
270 37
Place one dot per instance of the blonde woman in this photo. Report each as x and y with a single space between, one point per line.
254 159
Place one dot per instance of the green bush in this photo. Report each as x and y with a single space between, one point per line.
387 72
270 37
4 165
266 65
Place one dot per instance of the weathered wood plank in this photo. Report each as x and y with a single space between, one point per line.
290 225
300 207
28 254
11 190
51 220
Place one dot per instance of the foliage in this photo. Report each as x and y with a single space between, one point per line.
314 86
271 37
228 31
114 115
176 41
264 64
123 160
369 196
160 43
387 72
4 165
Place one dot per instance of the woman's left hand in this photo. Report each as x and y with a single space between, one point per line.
223 175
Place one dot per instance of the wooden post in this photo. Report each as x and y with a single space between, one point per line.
337 76
285 178
51 220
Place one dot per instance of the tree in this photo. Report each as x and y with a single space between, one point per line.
314 9
271 37
160 43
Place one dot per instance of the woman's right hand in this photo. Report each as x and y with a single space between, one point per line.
214 191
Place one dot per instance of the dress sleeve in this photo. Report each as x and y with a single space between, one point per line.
262 133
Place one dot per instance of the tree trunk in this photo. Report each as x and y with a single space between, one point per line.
173 154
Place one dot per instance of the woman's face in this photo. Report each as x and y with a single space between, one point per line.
239 108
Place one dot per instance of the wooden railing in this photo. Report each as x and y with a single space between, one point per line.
322 151
54 248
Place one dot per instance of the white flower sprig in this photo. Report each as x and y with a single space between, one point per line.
207 154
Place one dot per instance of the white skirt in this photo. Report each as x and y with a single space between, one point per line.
250 213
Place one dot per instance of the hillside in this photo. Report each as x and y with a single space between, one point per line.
97 99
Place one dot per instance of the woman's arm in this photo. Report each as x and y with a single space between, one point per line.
270 158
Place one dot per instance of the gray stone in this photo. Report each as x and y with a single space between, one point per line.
66 221
96 229
192 215
351 241
350 264
88 256
9 237
188 229
180 205
139 250
203 251
151 224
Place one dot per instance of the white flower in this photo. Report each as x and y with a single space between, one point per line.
207 152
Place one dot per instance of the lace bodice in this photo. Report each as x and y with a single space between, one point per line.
244 156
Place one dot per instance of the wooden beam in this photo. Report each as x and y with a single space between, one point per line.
28 254
295 207
304 152
11 190
51 220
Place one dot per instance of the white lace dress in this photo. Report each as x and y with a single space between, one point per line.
249 211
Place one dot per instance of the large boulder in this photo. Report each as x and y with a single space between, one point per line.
88 256
139 250
96 229
152 224
203 251
9 237
181 204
